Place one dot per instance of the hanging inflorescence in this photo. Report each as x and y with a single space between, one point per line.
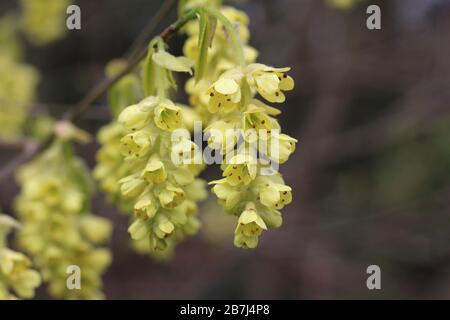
58 231
162 193
16 274
226 97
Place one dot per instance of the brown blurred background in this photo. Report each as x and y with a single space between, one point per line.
370 175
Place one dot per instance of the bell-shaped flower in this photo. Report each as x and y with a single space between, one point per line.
272 194
171 196
15 270
222 135
270 82
281 147
256 123
139 229
185 151
154 171
145 208
163 227
137 144
242 168
249 228
137 116
167 116
228 195
132 186
225 93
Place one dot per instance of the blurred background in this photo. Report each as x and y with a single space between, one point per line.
370 176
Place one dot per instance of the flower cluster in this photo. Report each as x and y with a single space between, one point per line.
164 191
15 268
133 137
250 188
57 229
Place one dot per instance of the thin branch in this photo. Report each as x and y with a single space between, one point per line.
13 144
142 39
137 51
29 149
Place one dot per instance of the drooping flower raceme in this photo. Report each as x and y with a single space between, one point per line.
230 92
245 190
161 193
242 127
17 278
165 193
58 231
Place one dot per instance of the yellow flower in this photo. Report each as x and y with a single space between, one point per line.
185 152
225 93
145 208
222 135
131 186
137 116
61 232
154 171
167 116
256 123
163 227
249 228
240 169
171 196
228 195
136 144
138 229
270 82
15 269
271 194
285 146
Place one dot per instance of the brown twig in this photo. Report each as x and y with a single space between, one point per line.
137 52
143 37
